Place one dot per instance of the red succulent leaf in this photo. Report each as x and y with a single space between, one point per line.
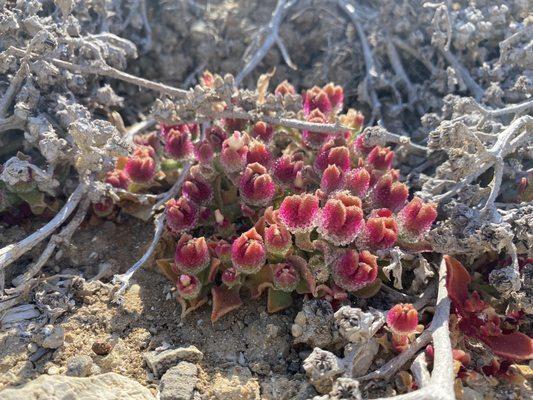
514 346
225 300
457 281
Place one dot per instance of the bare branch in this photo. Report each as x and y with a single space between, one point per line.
12 252
99 68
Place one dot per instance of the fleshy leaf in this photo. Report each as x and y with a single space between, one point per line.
165 265
225 300
307 283
35 200
278 300
514 346
457 281
188 306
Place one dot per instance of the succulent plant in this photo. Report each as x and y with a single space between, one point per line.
255 213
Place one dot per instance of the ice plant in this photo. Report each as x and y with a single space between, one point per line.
285 277
315 139
177 141
299 212
263 131
416 217
402 319
380 157
234 152
273 209
188 286
389 194
477 319
285 170
192 254
341 219
330 154
278 240
332 179
381 229
141 167
258 153
118 178
256 185
198 190
182 215
248 253
353 271
357 181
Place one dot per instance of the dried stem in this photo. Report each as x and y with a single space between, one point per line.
124 279
271 39
99 68
12 252
64 236
371 70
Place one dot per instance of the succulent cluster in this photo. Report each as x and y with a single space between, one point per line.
266 207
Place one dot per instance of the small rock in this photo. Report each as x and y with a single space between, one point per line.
296 330
55 338
53 370
32 347
160 362
101 387
102 347
80 366
178 382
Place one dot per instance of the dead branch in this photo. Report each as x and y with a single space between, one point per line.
272 38
12 252
371 71
102 69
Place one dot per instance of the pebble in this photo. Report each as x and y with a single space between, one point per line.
54 338
296 330
32 347
80 366
101 347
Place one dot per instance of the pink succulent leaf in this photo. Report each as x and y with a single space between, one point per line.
188 286
234 152
357 181
182 215
330 154
390 194
192 254
278 240
178 143
457 281
118 179
284 89
258 153
285 276
263 131
140 167
299 212
248 253
316 99
352 271
311 139
256 186
341 219
402 319
416 217
332 179
198 190
380 158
